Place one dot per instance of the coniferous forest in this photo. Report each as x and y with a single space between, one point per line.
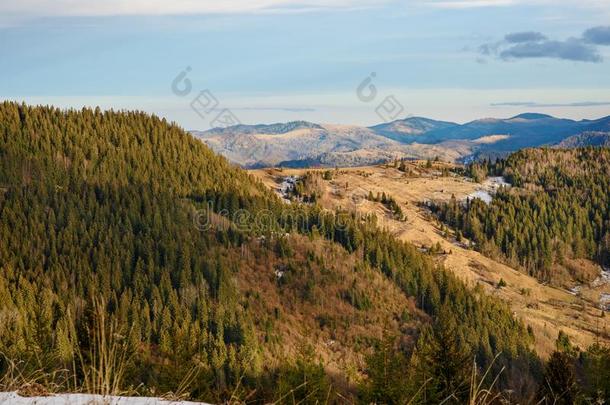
134 260
558 209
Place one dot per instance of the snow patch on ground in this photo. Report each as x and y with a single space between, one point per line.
287 186
488 188
482 195
575 290
13 398
603 279
604 301
600 281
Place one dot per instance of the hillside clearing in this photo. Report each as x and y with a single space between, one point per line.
547 309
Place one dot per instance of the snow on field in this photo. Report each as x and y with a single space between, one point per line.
603 279
489 187
286 187
604 301
482 195
13 398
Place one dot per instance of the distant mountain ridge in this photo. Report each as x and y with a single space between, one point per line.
278 128
302 143
409 128
599 125
523 127
297 145
586 139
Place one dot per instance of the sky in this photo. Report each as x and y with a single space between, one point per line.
336 61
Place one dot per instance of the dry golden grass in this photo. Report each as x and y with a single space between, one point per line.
547 309
307 305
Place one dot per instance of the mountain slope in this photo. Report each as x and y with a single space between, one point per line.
123 235
586 139
524 130
599 125
302 144
567 217
546 308
275 129
407 130
261 145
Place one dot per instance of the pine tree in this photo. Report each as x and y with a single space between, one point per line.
560 380
387 372
442 362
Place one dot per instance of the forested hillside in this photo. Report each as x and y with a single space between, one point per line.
135 260
586 139
558 209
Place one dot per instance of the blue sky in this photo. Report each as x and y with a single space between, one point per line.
279 60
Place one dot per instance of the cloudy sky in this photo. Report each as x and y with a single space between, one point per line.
325 61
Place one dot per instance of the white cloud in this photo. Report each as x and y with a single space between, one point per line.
46 8
165 7
460 4
469 3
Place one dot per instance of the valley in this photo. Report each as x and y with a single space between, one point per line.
546 308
